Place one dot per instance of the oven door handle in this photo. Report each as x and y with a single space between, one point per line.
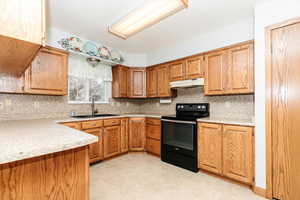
178 121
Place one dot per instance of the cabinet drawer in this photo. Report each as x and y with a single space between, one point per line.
73 125
153 121
153 146
92 124
153 132
112 122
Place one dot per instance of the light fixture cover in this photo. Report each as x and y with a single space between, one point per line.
146 15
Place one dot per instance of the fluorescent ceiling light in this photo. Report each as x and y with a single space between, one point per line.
148 14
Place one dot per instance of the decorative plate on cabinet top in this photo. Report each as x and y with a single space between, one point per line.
90 48
116 56
104 52
72 43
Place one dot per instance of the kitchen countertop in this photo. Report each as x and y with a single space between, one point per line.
70 119
24 139
224 120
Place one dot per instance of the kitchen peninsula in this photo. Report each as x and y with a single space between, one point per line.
43 160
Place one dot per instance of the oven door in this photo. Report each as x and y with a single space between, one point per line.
180 136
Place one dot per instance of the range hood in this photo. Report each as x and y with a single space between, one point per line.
187 83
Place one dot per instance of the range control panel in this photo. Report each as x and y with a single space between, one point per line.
199 107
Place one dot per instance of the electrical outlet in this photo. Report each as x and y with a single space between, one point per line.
7 102
118 104
127 104
36 105
1 105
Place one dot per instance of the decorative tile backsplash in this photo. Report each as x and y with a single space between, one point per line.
38 106
231 106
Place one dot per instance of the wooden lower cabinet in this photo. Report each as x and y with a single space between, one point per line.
238 153
63 175
153 136
210 147
124 135
227 150
153 146
96 149
111 141
137 134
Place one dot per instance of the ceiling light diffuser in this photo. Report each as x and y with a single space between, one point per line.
146 15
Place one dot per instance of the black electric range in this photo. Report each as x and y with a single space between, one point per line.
179 135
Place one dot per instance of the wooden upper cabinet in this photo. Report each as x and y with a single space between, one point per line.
216 72
137 137
124 135
152 81
120 81
210 147
195 67
163 81
230 71
238 153
48 73
241 69
22 33
137 83
177 70
111 141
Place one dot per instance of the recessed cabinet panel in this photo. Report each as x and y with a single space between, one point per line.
111 141
195 67
241 62
177 71
210 147
137 135
48 73
238 153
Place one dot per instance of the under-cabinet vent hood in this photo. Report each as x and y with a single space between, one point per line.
187 83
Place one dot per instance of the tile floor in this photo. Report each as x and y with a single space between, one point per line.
139 176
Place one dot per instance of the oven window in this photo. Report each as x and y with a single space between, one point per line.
179 135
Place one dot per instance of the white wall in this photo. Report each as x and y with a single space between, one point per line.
240 31
266 13
132 60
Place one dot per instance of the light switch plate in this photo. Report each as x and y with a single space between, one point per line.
1 105
36 105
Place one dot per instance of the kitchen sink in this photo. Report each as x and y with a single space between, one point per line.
96 115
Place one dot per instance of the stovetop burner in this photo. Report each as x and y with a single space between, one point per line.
189 112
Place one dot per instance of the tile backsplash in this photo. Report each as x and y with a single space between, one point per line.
38 106
230 106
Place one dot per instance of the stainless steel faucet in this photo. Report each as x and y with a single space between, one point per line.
93 106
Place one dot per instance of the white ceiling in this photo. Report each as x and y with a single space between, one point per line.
90 19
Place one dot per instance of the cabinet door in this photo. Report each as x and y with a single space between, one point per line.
153 146
210 147
23 20
137 83
177 71
195 67
124 135
96 149
152 82
216 73
137 134
48 73
120 82
241 69
111 141
238 153
164 89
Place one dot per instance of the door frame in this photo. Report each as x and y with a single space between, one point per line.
268 101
